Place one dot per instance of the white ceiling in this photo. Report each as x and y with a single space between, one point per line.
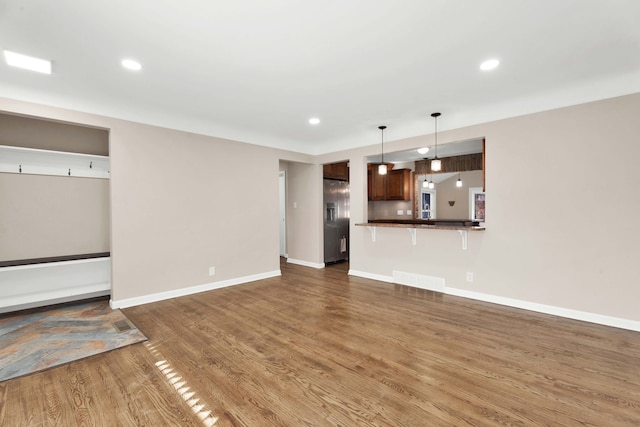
256 70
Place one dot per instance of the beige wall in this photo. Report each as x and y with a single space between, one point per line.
183 203
544 243
179 207
45 216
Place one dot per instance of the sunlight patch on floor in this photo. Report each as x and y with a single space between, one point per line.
183 389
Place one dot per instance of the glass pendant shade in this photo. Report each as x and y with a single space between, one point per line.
431 185
459 183
425 184
382 168
436 164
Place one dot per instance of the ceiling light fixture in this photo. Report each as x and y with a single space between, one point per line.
27 62
131 64
314 121
489 64
459 181
382 168
436 164
423 150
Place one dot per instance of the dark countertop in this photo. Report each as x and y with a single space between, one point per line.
448 224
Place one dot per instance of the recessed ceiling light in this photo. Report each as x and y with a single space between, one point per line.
27 62
314 120
423 150
489 64
131 64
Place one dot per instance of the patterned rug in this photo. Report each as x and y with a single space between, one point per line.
34 340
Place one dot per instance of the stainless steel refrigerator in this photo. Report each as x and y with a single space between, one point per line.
336 220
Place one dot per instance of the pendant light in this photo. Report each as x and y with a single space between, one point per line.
425 183
436 164
459 181
382 168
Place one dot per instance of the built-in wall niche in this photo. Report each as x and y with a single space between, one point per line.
55 212
40 146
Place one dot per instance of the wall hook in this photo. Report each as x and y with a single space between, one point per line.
90 165
69 171
20 169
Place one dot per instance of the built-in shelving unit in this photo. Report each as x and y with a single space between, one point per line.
25 286
47 162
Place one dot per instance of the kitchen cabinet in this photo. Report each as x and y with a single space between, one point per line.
395 185
339 171
399 184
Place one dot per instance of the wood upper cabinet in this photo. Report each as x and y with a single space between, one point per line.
395 185
339 171
399 184
377 185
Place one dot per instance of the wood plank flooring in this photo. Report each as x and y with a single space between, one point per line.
319 348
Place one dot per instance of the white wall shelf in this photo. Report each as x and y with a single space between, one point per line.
47 162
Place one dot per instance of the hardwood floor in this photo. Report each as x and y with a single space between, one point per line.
316 347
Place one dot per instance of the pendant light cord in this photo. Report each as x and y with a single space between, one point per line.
382 128
435 116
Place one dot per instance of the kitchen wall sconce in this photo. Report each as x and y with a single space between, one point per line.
382 168
436 164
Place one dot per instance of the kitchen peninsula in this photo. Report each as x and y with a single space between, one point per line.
461 226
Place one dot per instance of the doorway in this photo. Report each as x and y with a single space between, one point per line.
283 214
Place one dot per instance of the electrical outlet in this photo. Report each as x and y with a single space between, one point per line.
212 271
408 211
400 212
469 276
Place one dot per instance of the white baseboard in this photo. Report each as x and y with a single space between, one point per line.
379 277
129 302
584 316
305 263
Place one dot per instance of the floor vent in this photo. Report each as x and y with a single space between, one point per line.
122 325
419 281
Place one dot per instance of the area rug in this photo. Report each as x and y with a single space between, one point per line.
34 340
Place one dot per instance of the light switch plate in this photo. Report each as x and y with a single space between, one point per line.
408 211
400 212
